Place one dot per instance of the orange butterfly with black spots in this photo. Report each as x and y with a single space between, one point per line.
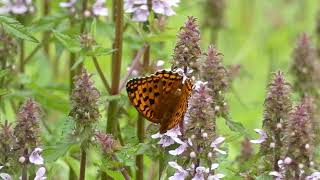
161 98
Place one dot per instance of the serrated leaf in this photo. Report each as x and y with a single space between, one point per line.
77 63
46 23
4 92
15 28
52 153
4 72
93 28
71 44
99 51
236 127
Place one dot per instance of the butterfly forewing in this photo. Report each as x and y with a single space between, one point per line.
160 98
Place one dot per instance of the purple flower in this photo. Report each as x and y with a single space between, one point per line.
68 4
200 173
164 7
98 8
40 174
180 174
215 144
16 7
313 176
5 176
183 146
140 11
167 138
36 157
277 175
262 138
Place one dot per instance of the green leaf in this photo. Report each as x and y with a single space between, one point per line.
52 153
16 29
4 92
93 28
237 127
99 51
127 153
71 44
77 63
46 23
4 72
73 163
264 177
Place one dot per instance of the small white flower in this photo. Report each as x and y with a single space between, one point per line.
99 9
307 146
183 146
180 173
5 176
200 173
277 175
22 159
272 145
263 137
314 176
214 166
40 174
287 160
217 108
140 13
209 154
67 4
215 177
160 63
215 144
193 154
279 125
204 135
167 138
36 157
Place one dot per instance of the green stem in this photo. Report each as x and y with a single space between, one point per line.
21 67
24 175
161 164
140 123
33 52
103 78
83 164
46 34
116 65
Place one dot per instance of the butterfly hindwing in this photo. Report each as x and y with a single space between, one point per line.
180 108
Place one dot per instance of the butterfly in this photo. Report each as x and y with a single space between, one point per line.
161 98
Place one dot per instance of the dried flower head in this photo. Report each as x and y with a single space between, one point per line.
246 151
8 48
277 107
27 127
87 41
300 139
213 71
201 113
7 142
85 96
305 67
187 50
107 142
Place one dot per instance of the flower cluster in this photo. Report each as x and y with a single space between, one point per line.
7 141
200 145
96 9
16 7
305 67
297 162
107 142
84 99
8 48
187 50
140 8
27 130
214 72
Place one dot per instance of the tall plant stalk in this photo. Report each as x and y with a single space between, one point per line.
140 123
46 34
116 64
